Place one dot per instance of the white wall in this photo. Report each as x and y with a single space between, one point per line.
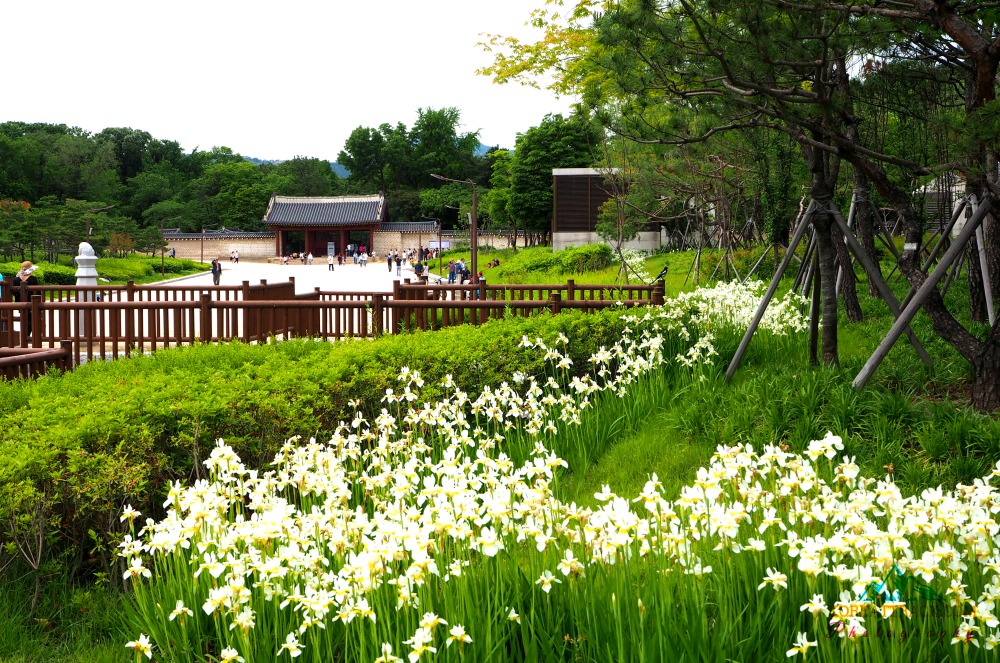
647 240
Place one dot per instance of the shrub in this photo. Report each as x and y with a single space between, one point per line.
587 258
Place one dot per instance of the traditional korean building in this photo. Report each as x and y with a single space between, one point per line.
324 225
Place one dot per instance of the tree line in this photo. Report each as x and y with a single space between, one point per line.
119 187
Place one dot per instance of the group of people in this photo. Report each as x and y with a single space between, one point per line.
360 254
394 258
459 272
306 258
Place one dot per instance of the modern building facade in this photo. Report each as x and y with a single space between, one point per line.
577 197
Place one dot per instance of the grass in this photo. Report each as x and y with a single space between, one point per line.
74 623
656 447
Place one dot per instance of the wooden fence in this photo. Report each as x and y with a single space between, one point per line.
83 323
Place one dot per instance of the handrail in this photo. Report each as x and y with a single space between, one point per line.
31 362
115 326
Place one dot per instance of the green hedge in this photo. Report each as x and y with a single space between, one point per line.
80 446
47 273
140 269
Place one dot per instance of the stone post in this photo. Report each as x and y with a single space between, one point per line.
86 274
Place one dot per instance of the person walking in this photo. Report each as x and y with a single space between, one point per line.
216 271
451 272
399 265
329 261
388 260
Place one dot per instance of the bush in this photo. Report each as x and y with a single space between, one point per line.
543 260
591 257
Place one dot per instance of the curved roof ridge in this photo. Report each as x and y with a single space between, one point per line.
328 199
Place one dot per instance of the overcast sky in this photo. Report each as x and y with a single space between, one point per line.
271 79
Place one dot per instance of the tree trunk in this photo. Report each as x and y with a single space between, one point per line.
849 282
828 276
864 217
985 387
977 295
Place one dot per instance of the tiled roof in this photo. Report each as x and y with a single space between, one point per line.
329 211
223 233
409 227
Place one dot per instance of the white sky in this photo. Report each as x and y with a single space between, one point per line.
271 79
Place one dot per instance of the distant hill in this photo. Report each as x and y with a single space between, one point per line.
342 172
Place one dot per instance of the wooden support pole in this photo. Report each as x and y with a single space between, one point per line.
804 274
985 270
953 273
815 306
944 234
883 288
796 238
918 299
850 224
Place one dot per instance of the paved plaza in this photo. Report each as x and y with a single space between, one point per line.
375 277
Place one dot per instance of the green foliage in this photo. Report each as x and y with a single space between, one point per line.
400 161
762 261
80 446
543 260
586 258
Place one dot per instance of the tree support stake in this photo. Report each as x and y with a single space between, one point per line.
922 293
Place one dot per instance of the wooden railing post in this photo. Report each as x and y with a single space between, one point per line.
205 333
570 290
555 301
396 297
657 296
129 314
37 322
67 362
378 308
